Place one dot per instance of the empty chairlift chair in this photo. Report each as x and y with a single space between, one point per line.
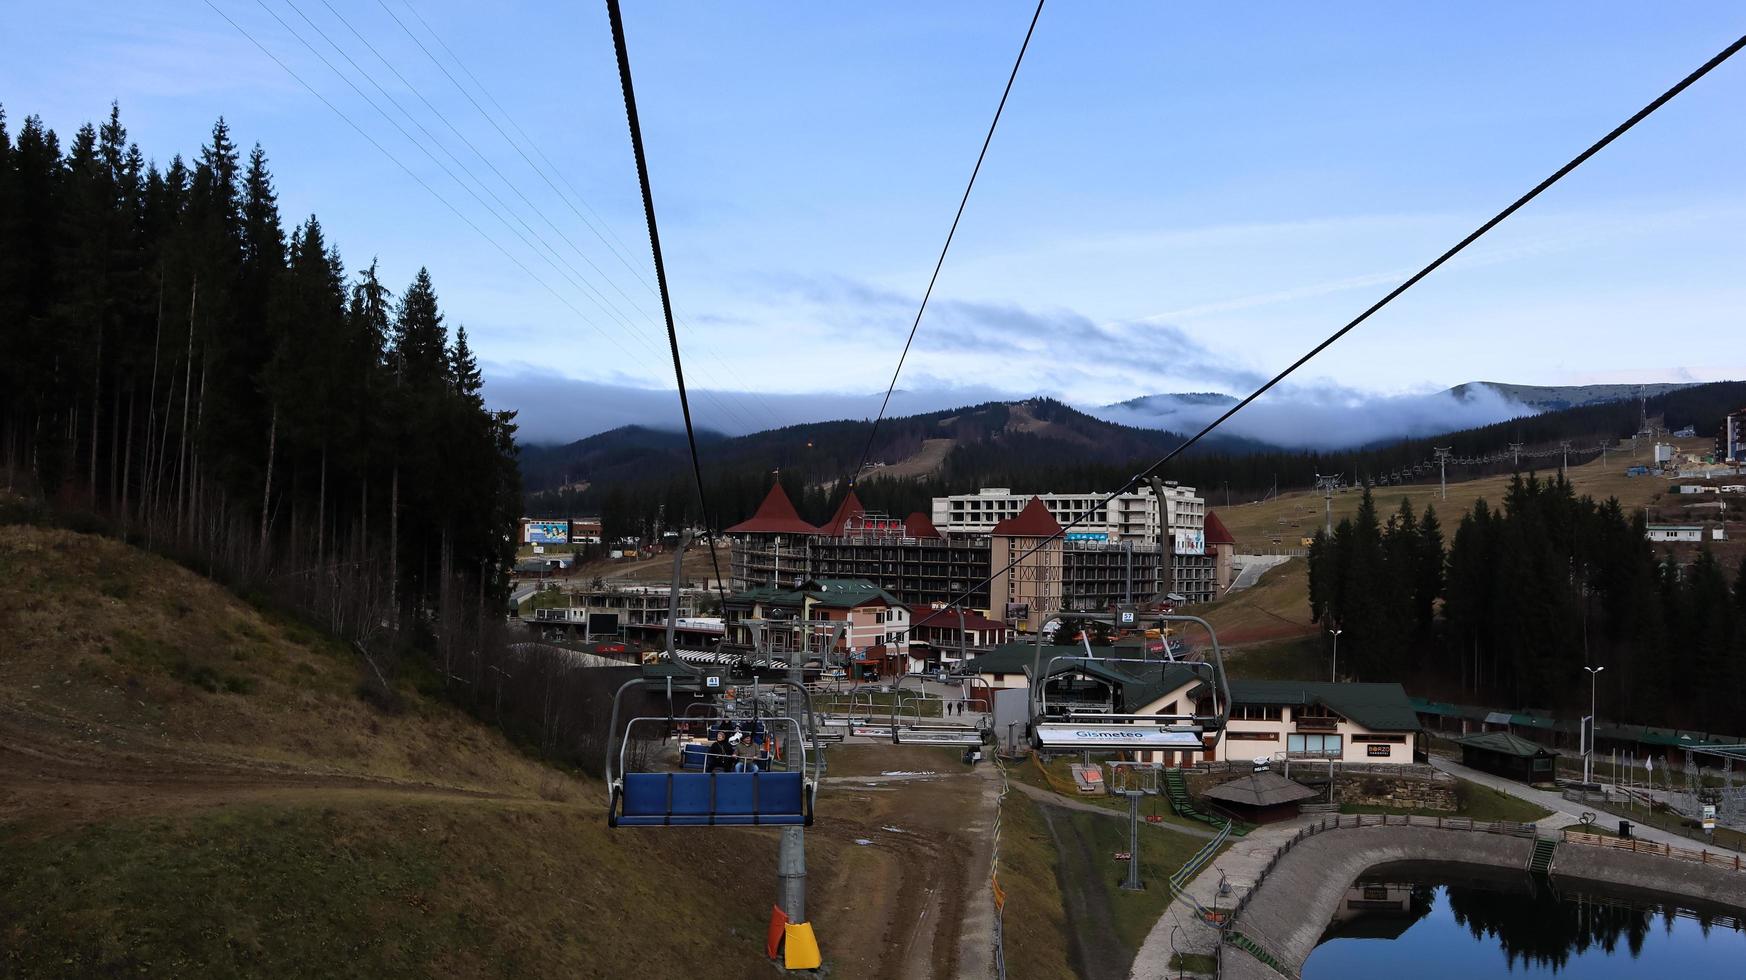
1084 714
909 729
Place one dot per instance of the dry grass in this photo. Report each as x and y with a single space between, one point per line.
1297 515
1275 608
194 788
132 652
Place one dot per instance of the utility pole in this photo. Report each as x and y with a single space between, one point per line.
1588 743
1443 468
1334 673
1127 573
791 851
1327 485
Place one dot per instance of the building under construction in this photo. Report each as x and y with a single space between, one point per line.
921 565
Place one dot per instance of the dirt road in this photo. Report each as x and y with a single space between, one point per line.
1097 950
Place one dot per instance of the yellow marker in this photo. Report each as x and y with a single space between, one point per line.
800 947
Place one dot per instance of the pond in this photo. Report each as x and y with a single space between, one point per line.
1427 924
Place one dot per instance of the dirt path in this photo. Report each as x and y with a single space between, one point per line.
58 782
1047 798
1097 950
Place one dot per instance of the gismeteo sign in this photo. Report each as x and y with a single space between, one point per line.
1125 736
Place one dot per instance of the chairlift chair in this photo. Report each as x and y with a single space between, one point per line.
918 732
774 797
1078 726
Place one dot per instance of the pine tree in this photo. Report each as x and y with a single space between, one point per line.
420 342
464 368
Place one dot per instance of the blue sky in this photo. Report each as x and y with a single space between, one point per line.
1180 197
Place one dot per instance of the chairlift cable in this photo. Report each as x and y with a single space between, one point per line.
941 261
1473 236
636 134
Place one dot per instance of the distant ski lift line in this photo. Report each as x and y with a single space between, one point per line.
1473 236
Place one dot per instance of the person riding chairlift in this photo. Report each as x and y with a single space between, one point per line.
721 754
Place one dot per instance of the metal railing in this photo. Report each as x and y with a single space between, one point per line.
1732 862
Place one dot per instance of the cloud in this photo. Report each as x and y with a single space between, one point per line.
553 408
1328 416
1024 340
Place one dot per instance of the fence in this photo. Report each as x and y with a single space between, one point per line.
1730 861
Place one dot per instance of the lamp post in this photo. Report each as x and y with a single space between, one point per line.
1334 673
1588 756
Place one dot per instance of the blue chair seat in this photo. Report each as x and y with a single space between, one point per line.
689 799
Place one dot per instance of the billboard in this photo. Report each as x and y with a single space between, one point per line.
546 532
1190 541
1098 536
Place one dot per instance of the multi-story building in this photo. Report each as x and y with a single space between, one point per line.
1121 553
1175 526
591 612
1734 437
857 613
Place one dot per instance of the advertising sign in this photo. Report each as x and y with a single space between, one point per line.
1709 816
547 532
1063 736
1190 542
1098 536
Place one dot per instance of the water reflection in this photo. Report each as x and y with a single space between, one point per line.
1428 923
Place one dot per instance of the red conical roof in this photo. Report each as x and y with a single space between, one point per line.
1216 532
917 525
1034 521
849 508
776 515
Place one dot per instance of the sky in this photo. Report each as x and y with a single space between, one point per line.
1179 197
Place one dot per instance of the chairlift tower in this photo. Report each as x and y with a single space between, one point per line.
1564 450
1443 468
1327 485
1136 781
1516 454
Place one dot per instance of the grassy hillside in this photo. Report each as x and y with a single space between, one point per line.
1292 516
194 788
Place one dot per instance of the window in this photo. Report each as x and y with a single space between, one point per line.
1394 739
1252 736
1255 712
1318 746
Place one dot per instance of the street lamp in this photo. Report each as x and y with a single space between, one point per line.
1334 674
1588 757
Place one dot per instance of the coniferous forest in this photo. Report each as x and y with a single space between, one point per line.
178 362
1524 596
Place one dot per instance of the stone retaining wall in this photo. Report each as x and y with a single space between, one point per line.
1404 792
1403 787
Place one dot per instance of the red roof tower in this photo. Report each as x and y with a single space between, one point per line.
776 515
1034 521
1216 532
849 509
917 525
